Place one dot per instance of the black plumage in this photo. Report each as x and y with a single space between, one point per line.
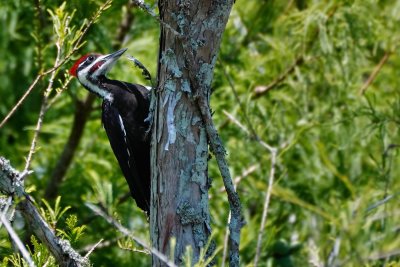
124 122
124 111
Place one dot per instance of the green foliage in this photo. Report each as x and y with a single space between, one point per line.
52 215
335 196
41 255
73 232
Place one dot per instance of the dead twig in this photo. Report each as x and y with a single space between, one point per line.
374 73
43 108
262 90
21 100
271 177
144 6
266 205
244 174
237 180
127 233
252 133
92 248
300 59
13 235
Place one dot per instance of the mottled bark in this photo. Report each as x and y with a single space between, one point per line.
190 37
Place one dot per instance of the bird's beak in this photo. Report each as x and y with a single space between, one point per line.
110 59
114 56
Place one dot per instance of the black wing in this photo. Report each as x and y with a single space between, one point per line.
131 149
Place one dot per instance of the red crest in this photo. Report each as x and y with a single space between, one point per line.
74 68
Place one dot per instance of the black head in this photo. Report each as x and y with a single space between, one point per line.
89 68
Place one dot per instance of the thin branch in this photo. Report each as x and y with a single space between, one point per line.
142 5
262 90
17 240
61 90
127 233
266 206
237 180
374 73
251 131
274 153
99 245
92 248
226 239
21 100
384 255
244 174
236 221
5 206
43 108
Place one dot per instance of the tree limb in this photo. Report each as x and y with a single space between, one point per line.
11 184
127 233
236 223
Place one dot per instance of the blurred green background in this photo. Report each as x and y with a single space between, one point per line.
335 198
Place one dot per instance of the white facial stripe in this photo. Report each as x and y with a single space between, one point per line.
82 77
100 70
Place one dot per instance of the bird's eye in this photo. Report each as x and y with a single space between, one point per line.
90 58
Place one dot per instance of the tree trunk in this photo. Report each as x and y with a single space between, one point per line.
190 37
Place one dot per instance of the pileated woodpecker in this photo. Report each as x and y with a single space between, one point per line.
125 108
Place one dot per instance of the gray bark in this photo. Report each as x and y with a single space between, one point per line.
190 37
11 184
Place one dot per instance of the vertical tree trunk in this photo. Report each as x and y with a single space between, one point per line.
190 38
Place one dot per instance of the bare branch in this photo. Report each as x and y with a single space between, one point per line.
127 233
20 101
236 221
4 206
251 131
236 182
43 108
262 90
266 205
16 239
146 7
374 73
100 244
244 174
274 153
93 247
